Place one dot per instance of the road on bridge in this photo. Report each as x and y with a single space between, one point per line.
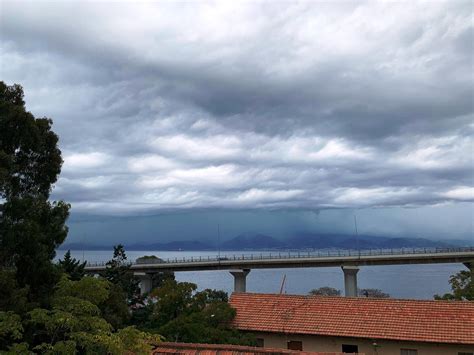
295 260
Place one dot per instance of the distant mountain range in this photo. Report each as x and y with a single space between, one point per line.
253 241
298 241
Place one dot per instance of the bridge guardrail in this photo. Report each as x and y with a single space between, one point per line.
301 254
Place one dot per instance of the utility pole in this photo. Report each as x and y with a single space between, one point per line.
357 235
282 284
218 243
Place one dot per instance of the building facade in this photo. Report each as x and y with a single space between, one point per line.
358 345
357 325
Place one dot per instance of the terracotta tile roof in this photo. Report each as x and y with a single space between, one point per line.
410 320
225 349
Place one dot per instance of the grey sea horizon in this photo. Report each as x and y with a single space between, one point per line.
400 281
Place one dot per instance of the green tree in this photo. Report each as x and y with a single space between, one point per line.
172 300
74 324
157 278
29 155
12 297
124 291
115 308
31 227
462 286
373 292
11 329
179 313
325 291
119 258
119 273
209 325
74 268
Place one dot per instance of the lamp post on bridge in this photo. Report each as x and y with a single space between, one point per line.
357 235
218 243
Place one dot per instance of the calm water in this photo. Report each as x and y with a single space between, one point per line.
400 281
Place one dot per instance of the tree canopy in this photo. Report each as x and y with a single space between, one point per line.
73 324
118 272
180 313
462 286
74 268
325 291
30 160
372 292
31 226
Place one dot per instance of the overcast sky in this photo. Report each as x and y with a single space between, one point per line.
263 112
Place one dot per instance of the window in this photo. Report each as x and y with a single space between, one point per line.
408 352
260 342
295 345
346 348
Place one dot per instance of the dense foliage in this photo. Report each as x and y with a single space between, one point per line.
72 267
73 323
364 292
118 272
325 291
179 313
31 227
462 286
30 160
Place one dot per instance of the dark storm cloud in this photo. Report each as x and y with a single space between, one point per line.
410 78
307 105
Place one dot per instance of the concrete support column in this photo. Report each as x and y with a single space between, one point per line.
350 280
145 282
240 279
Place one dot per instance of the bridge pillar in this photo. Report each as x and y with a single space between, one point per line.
470 265
350 280
240 279
145 282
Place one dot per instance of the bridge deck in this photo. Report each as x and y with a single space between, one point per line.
304 259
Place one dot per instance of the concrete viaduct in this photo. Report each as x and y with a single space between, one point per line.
349 261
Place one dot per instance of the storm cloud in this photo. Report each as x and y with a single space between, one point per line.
265 105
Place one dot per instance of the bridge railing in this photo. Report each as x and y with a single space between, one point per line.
295 255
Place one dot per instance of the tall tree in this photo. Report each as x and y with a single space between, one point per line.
31 226
118 272
12 297
182 314
462 286
172 300
73 267
29 154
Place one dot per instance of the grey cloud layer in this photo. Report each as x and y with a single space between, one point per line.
264 105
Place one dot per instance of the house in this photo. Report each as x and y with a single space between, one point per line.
224 349
373 326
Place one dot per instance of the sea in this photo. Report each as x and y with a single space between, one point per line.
400 281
